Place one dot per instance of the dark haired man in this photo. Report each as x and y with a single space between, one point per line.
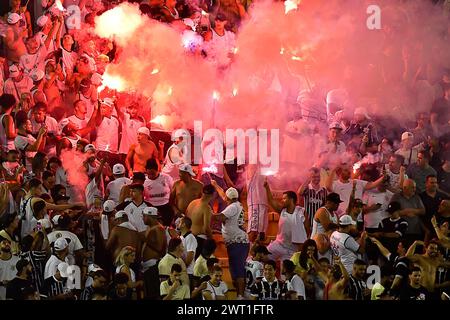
22 280
415 290
420 170
7 129
135 207
269 288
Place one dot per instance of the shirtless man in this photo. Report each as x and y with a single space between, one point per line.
15 46
122 235
430 262
153 249
142 151
200 213
185 190
337 282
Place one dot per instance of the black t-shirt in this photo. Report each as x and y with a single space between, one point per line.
443 179
15 287
431 206
112 295
409 293
399 226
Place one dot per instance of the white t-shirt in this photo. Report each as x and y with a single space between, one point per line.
219 47
21 144
29 62
394 178
17 88
79 122
190 245
8 272
52 266
291 228
221 290
231 228
345 247
345 190
135 216
115 186
89 104
253 271
372 219
108 135
51 124
74 243
129 132
157 191
296 284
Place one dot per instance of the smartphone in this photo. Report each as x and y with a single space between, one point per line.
38 226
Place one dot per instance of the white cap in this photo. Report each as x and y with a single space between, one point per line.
109 206
37 75
232 193
89 147
62 268
63 123
93 268
109 102
150 211
42 21
187 168
55 219
118 168
144 130
13 18
14 71
407 135
119 214
335 125
96 79
61 244
45 223
346 220
177 134
361 111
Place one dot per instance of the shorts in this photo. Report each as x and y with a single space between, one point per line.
279 252
237 255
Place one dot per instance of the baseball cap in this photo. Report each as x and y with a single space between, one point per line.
89 147
346 220
93 268
109 206
407 135
62 268
232 193
37 75
334 197
42 21
150 211
13 18
13 71
118 168
187 168
109 102
144 130
55 219
61 244
362 111
119 214
335 125
45 223
177 134
393 206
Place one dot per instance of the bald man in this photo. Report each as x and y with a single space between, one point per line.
412 208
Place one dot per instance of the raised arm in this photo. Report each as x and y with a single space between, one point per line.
219 190
274 204
330 179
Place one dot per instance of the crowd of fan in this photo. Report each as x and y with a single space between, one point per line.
370 222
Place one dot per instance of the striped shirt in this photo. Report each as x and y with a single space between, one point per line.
265 290
355 288
37 260
87 293
54 287
312 200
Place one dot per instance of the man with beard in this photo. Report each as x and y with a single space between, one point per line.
26 144
429 262
7 266
185 190
22 280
